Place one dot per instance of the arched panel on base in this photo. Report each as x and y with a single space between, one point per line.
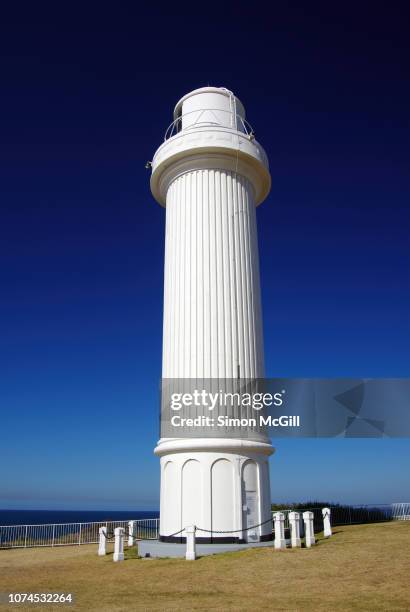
222 499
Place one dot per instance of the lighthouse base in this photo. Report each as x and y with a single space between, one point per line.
221 486
155 549
267 537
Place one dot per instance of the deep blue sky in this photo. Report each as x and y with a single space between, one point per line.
87 91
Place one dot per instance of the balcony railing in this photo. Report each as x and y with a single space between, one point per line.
209 117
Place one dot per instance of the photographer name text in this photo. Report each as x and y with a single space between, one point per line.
225 421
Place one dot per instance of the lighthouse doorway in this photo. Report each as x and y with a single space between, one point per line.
251 515
250 499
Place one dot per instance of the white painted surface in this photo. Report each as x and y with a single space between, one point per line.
251 521
232 445
222 488
327 528
131 532
210 106
102 541
251 502
192 489
309 530
212 304
118 544
222 496
190 554
211 176
171 492
294 524
212 145
279 525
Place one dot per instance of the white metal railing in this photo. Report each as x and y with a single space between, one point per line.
401 511
70 534
351 515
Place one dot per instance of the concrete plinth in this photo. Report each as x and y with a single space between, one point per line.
154 548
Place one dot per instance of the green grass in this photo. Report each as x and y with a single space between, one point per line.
361 567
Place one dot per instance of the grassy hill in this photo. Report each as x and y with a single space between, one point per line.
362 567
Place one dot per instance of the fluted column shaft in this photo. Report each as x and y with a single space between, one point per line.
212 304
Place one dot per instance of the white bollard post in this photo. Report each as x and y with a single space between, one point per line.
119 544
294 523
190 554
327 528
309 530
279 521
131 533
102 542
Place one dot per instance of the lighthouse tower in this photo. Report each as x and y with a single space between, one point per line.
210 174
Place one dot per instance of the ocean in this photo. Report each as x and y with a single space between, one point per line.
42 517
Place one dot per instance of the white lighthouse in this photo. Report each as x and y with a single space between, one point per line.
210 174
